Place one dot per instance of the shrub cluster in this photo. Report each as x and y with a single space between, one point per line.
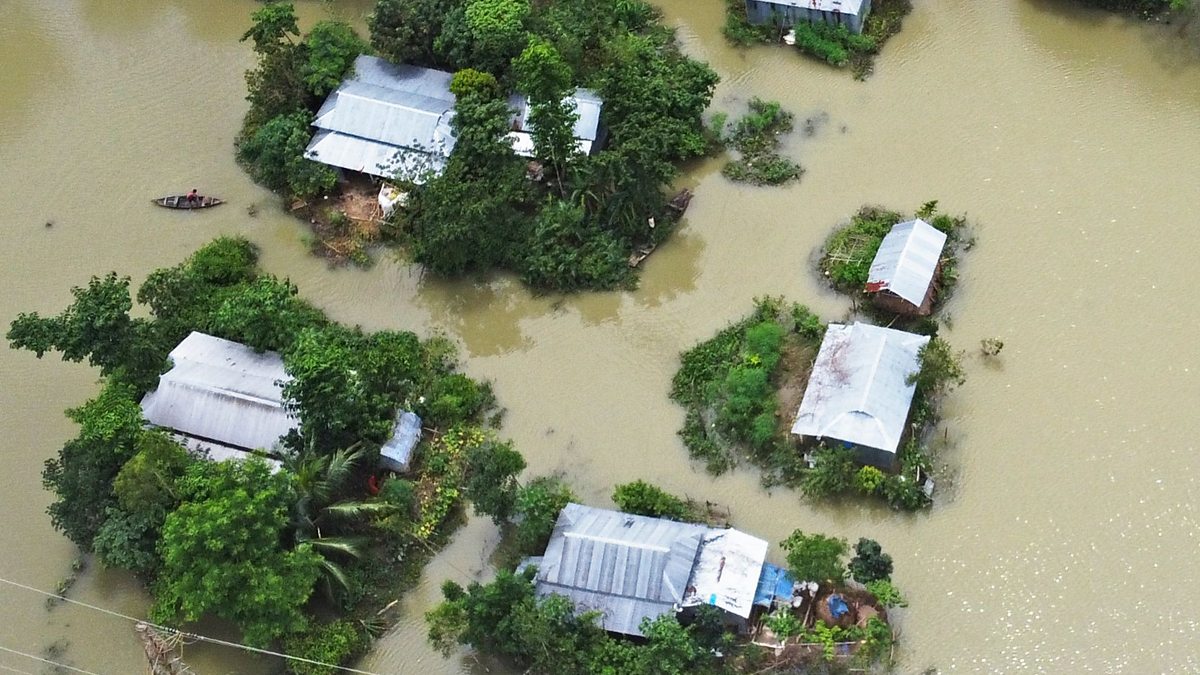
756 138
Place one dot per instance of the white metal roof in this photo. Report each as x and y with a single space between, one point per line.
907 260
385 119
586 104
626 567
727 570
843 6
397 453
223 392
857 391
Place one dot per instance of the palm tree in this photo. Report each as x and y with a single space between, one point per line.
317 478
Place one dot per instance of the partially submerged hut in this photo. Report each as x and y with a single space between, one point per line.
587 130
222 400
858 393
903 278
630 568
849 13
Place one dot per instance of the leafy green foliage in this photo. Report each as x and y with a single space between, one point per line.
264 314
331 48
756 138
492 473
96 326
576 228
869 480
274 156
740 32
815 557
850 250
274 24
728 385
1146 8
82 474
887 594
646 499
222 553
870 563
835 473
403 31
537 507
941 369
454 397
784 623
127 540
338 642
831 43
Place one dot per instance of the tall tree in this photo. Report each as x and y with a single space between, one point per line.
331 47
222 553
546 79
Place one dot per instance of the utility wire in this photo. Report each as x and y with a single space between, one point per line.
56 664
174 631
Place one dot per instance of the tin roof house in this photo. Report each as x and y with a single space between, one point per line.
386 120
222 400
858 392
630 568
903 278
849 13
394 121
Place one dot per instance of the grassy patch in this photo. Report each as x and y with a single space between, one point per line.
729 388
849 251
756 138
739 31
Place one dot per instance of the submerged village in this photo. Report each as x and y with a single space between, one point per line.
252 460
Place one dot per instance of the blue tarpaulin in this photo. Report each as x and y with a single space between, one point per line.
773 583
837 606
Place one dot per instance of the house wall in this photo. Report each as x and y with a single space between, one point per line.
889 301
764 11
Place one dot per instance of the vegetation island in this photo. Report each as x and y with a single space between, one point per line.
537 138
844 408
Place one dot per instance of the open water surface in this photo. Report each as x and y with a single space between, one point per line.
1064 535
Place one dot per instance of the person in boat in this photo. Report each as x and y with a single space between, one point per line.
193 197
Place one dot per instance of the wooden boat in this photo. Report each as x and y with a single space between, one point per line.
182 202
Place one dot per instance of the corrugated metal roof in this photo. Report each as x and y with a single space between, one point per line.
907 260
397 453
857 391
222 453
377 159
843 6
386 120
223 392
626 567
727 570
394 120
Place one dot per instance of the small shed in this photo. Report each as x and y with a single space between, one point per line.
396 455
849 13
858 393
903 278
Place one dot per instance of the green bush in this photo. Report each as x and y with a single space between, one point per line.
338 642
815 557
784 623
755 137
886 593
869 480
453 397
835 473
537 508
642 498
870 563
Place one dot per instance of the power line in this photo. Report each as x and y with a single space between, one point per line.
56 664
185 634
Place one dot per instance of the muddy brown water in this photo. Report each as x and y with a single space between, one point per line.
1065 530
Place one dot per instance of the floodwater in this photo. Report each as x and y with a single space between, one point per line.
1064 532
